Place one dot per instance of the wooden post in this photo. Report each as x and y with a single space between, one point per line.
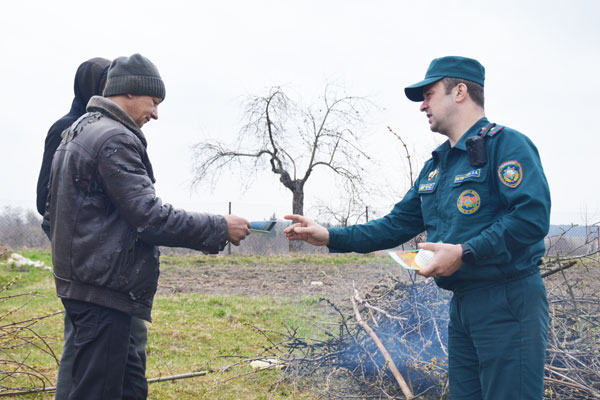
367 213
229 244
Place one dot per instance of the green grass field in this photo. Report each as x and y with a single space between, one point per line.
190 333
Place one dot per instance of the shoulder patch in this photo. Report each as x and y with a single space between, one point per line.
496 129
510 173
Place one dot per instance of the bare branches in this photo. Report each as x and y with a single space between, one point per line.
349 209
411 173
407 324
20 343
572 361
295 140
211 159
573 241
397 375
392 357
560 268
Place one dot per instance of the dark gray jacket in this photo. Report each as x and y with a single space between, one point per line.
104 219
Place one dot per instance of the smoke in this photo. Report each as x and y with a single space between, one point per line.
413 328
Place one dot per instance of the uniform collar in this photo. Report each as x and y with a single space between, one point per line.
112 110
461 144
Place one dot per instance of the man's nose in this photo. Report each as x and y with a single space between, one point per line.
423 105
154 114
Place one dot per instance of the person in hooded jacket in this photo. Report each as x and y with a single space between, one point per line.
106 223
90 79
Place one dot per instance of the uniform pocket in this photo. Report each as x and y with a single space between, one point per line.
515 297
527 297
126 260
144 280
473 198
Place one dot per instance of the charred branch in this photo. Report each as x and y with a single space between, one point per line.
388 359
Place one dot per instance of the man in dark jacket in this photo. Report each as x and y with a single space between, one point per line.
90 79
105 223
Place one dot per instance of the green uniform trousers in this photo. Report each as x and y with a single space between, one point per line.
497 339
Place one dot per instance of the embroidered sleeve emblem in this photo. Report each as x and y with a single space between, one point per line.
468 202
510 173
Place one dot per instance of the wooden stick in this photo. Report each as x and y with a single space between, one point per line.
175 377
31 391
573 385
559 268
150 380
401 382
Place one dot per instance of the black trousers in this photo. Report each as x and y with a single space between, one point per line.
106 365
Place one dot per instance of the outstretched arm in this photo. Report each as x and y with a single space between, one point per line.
306 229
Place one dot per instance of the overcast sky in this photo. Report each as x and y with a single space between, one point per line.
542 61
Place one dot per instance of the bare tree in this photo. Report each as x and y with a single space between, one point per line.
293 141
348 210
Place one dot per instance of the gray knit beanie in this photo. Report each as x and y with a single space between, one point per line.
134 75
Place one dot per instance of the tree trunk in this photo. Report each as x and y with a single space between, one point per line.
297 208
298 201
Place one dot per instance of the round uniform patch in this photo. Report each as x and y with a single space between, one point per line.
510 173
468 202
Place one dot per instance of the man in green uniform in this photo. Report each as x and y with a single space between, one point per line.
484 201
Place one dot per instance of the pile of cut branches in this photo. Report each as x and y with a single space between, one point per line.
400 328
573 353
363 354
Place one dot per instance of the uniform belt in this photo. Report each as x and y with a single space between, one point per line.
522 274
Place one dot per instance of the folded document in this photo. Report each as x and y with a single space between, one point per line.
262 226
412 259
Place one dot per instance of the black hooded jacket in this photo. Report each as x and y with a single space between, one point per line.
104 219
89 81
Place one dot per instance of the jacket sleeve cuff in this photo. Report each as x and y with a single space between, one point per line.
335 241
480 250
218 241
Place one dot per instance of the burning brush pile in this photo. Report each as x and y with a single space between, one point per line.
391 343
386 344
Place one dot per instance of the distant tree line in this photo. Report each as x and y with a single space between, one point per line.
22 229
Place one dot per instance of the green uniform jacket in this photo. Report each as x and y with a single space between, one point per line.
501 210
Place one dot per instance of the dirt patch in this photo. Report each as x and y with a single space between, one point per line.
275 279
305 278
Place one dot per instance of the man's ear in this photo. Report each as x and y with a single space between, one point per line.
461 91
